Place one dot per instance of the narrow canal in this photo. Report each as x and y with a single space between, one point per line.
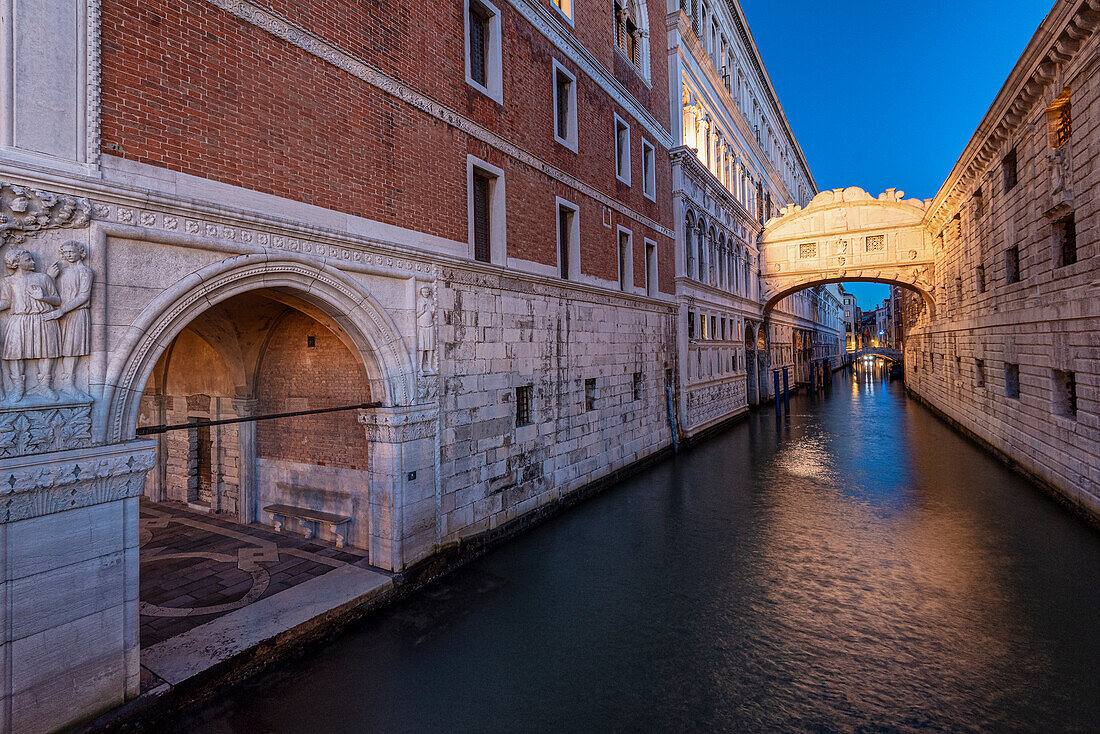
856 566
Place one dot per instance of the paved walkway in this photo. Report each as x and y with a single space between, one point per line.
197 567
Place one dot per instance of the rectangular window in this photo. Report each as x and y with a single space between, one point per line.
649 171
1012 265
807 250
590 394
1065 393
1059 121
691 324
979 372
876 243
651 269
622 150
980 275
626 262
1065 237
482 234
523 405
1012 381
565 7
1008 168
483 57
569 251
637 391
565 107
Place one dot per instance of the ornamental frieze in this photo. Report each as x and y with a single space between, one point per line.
25 210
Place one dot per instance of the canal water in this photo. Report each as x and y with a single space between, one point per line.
856 566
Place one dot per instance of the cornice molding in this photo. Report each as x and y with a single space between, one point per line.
1064 32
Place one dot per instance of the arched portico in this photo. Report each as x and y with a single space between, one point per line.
846 235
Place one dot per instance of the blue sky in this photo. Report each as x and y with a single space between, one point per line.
887 94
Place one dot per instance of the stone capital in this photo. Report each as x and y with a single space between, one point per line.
397 425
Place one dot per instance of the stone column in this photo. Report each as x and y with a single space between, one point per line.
157 489
248 487
403 514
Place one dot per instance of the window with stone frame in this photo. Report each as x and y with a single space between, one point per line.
523 405
622 150
482 216
1065 240
565 7
691 324
1060 121
807 250
484 69
876 243
1009 170
565 107
626 30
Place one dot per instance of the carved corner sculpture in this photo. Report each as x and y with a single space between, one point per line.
46 322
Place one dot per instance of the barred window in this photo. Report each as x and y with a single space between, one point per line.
482 249
1060 121
808 249
479 43
523 405
876 243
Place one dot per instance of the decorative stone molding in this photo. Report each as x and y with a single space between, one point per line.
31 486
705 404
44 429
25 210
397 425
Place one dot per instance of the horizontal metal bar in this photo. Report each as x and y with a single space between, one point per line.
153 430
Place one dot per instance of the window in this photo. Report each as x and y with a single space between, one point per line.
650 268
1008 168
876 243
590 394
1065 393
483 57
979 372
649 171
565 107
626 261
691 324
637 391
1059 121
485 186
1012 381
1065 240
706 325
626 31
622 150
980 276
1012 265
569 249
807 250
565 7
523 405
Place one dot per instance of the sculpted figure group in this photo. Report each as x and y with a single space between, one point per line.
48 321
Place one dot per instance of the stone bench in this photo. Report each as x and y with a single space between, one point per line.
309 519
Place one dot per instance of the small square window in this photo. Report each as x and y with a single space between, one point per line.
1065 393
649 170
523 405
590 394
637 386
1008 168
1012 381
622 150
565 107
1012 265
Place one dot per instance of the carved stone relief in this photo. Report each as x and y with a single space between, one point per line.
24 211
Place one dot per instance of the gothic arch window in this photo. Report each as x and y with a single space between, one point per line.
689 231
712 243
700 236
632 33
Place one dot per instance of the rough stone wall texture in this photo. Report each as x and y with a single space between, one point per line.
189 87
496 336
1048 321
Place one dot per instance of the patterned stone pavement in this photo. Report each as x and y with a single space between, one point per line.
196 567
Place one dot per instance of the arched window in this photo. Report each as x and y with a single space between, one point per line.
626 30
689 232
700 234
712 271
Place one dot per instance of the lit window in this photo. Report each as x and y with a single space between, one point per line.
622 150
649 171
483 56
565 7
1059 121
565 107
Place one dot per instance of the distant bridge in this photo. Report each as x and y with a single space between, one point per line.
894 355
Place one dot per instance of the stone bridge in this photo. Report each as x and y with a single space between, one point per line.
848 235
894 355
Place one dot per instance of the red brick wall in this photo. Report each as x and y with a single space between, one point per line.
293 376
190 87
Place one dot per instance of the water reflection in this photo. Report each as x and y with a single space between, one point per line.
856 566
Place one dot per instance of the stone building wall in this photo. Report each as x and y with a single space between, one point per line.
1014 323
